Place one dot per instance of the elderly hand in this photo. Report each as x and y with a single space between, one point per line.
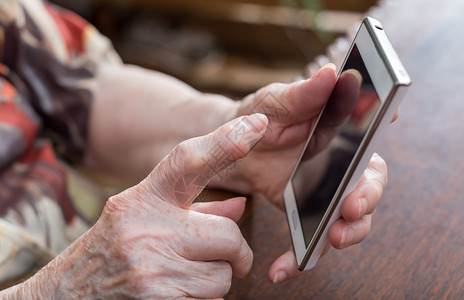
292 110
150 242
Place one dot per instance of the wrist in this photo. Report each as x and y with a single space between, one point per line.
40 286
30 289
45 283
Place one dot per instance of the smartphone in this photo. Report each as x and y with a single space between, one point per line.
369 88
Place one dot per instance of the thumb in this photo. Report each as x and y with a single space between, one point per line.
183 174
284 268
231 208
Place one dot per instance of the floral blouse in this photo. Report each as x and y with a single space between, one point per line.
50 61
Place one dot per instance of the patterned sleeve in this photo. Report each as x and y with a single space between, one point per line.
59 57
50 61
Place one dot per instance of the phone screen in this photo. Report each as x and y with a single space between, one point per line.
337 137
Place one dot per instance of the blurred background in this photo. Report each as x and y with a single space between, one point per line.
228 46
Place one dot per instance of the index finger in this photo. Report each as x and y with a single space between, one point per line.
182 175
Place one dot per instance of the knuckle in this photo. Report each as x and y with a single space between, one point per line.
180 151
222 279
290 94
270 88
263 99
220 143
336 234
364 227
123 200
376 188
184 153
236 245
223 130
277 86
245 261
231 235
112 205
376 180
378 165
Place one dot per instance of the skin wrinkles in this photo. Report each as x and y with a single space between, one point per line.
151 243
142 247
115 277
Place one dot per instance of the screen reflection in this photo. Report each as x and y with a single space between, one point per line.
335 141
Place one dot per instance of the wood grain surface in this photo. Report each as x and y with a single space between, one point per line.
416 247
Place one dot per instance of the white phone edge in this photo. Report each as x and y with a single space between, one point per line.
379 57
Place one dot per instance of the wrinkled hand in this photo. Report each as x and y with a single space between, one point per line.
150 242
292 110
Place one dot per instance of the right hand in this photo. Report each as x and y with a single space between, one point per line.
150 242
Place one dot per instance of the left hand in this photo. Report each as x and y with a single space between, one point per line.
292 110
355 223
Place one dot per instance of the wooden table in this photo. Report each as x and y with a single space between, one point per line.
416 247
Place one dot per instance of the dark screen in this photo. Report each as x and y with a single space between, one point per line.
334 143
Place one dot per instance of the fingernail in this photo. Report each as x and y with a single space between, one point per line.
279 277
356 74
258 121
362 206
347 236
330 66
239 199
326 66
261 116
